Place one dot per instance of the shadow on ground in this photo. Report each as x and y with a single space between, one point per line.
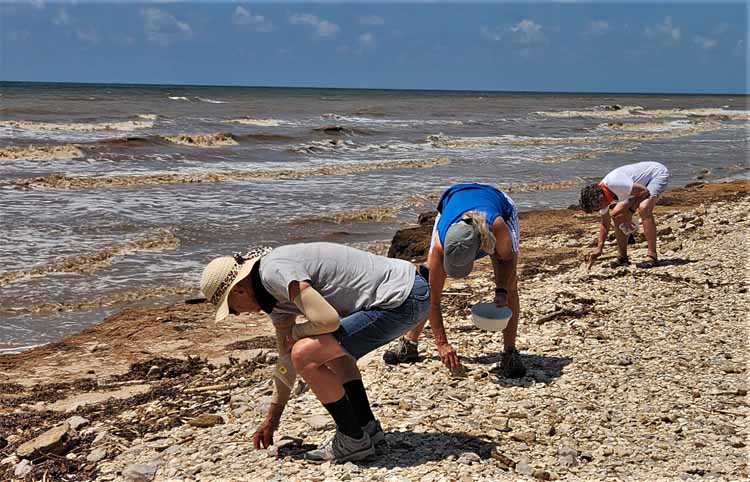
409 449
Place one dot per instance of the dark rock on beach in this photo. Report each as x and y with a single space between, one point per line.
413 243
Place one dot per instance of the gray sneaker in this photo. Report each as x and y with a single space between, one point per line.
406 352
341 448
375 431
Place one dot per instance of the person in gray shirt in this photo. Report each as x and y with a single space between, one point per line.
354 302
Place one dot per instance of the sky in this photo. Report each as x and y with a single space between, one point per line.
695 47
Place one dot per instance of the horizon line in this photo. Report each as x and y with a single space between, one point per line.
384 89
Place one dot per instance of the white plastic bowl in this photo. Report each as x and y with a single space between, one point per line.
488 316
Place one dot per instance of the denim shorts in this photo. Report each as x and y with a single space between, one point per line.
364 331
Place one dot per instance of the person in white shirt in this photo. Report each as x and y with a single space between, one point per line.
623 192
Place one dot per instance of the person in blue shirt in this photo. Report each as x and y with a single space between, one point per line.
474 220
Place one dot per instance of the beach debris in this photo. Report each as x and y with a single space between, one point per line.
206 420
76 421
55 441
140 472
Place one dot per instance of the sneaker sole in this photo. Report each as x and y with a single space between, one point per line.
356 456
378 437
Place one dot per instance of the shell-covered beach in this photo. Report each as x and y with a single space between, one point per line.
634 375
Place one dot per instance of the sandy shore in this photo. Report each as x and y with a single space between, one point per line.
634 375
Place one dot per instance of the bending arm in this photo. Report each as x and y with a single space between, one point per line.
603 231
322 317
437 282
504 258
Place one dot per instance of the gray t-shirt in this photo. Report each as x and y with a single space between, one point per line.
349 279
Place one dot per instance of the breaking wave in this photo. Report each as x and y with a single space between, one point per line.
61 181
256 122
617 111
220 139
130 125
40 153
155 240
339 130
212 101
107 300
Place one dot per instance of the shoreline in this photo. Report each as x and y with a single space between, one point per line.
206 367
534 223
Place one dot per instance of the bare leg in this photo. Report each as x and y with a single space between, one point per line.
646 211
345 369
310 356
511 331
622 242
414 333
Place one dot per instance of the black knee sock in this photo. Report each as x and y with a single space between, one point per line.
355 392
345 417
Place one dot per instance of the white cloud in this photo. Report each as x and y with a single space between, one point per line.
527 32
492 34
88 35
739 49
38 4
323 28
163 28
705 43
596 28
721 28
666 32
251 21
371 20
366 39
61 18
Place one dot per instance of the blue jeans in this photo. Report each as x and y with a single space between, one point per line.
364 331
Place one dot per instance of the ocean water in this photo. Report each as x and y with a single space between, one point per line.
112 196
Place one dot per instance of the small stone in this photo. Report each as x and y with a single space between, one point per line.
271 358
567 461
154 372
22 469
524 469
528 437
76 421
468 458
205 420
319 422
541 474
56 441
97 454
139 472
505 462
103 438
160 445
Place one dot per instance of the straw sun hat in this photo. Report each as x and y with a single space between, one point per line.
222 274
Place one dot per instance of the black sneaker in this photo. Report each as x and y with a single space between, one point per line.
406 352
619 262
512 365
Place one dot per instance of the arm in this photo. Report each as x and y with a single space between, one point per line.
437 282
263 436
603 232
623 212
503 260
322 317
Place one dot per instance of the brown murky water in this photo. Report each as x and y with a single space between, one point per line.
114 195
